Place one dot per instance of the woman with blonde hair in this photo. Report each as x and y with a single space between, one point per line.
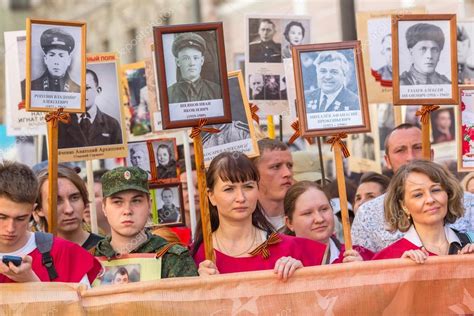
421 200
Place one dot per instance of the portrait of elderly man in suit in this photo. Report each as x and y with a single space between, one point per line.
331 94
188 50
425 42
92 128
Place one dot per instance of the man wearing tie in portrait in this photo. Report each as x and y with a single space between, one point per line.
332 72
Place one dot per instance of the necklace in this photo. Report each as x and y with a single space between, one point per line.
227 252
442 248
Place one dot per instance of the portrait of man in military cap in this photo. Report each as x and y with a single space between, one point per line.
425 42
55 64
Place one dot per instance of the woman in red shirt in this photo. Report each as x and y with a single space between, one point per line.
243 239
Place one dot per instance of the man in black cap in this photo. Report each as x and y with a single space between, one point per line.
265 50
188 50
465 65
57 46
92 128
425 42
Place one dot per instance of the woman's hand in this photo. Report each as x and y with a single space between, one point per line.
22 273
418 255
286 266
469 248
351 256
207 267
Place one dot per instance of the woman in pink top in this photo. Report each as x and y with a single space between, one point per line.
308 214
421 200
243 239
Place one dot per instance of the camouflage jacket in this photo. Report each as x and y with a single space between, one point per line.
176 262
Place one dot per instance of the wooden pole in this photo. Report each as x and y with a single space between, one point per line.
425 132
203 201
341 185
271 127
189 180
321 162
281 128
90 188
52 177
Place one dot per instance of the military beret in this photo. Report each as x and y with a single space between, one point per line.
56 38
424 32
124 178
188 40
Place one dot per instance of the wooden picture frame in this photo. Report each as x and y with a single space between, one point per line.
465 129
238 135
176 218
339 102
50 81
207 71
418 78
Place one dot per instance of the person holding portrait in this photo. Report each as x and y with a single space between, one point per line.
188 50
422 199
332 72
425 42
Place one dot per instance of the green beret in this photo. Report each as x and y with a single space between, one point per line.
424 32
188 40
123 179
56 38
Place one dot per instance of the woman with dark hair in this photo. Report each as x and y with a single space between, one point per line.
243 239
308 214
166 167
421 199
294 34
371 185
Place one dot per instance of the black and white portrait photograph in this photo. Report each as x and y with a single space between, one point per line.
425 60
138 156
267 87
265 37
169 205
101 123
191 72
138 98
295 32
56 65
338 101
165 153
465 38
380 50
238 135
410 115
443 125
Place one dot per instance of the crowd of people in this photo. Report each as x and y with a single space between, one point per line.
261 217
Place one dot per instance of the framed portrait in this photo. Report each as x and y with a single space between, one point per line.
139 156
19 122
167 202
192 74
55 66
338 102
164 160
443 125
269 42
465 38
424 59
238 135
100 131
153 103
134 81
375 32
466 129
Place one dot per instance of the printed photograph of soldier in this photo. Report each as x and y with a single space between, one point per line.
335 71
56 65
443 126
265 42
100 124
465 32
429 53
121 274
231 132
165 157
380 49
169 205
138 157
192 73
137 95
296 32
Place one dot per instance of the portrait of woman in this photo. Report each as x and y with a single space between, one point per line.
294 34
166 166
